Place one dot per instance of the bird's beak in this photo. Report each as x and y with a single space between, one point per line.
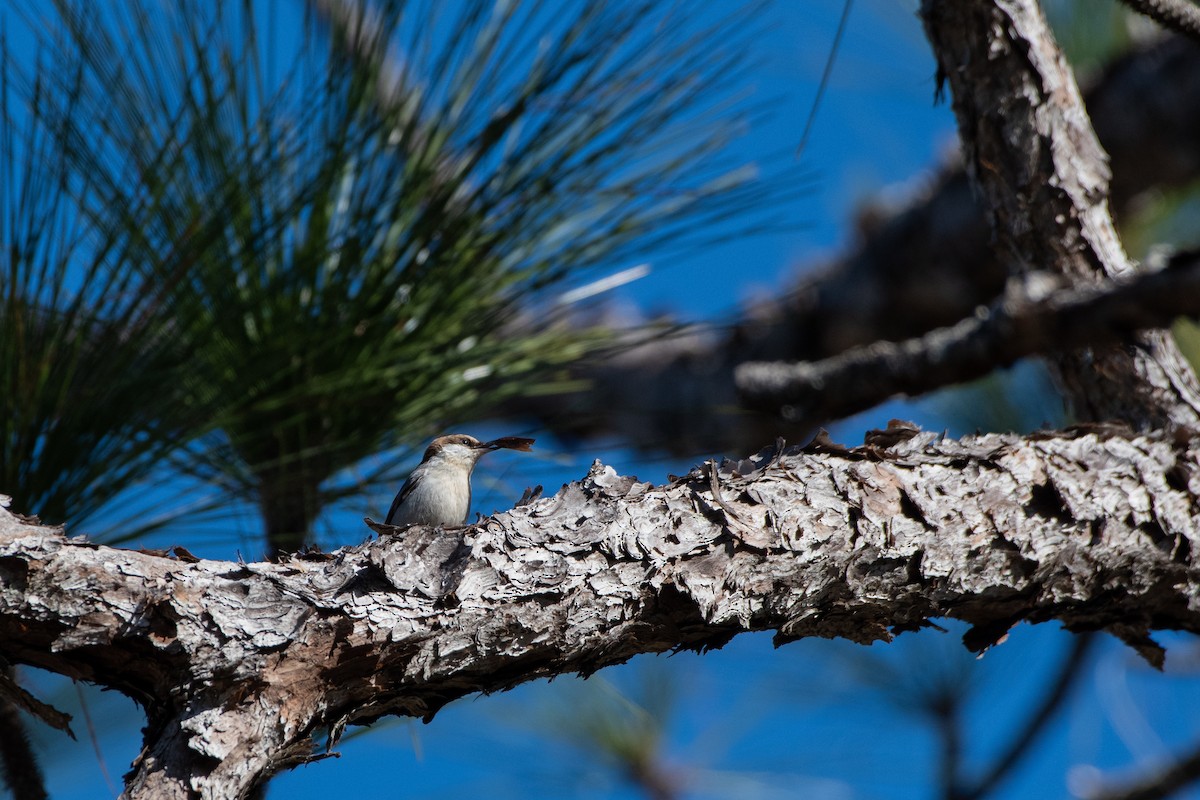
509 443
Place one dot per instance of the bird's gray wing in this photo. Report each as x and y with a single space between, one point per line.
402 495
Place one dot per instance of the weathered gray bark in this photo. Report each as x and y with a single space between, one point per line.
239 665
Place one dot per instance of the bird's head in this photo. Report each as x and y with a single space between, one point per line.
460 448
457 447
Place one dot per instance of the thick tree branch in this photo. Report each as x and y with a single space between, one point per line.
240 666
1022 325
1032 152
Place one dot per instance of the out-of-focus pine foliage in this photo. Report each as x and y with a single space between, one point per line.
86 355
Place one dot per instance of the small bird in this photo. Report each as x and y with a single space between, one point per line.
438 492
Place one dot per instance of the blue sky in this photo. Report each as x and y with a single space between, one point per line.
876 126
748 721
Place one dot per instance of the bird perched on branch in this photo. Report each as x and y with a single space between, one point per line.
438 492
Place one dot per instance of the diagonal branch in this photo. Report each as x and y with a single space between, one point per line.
1182 16
1160 783
1039 717
1016 327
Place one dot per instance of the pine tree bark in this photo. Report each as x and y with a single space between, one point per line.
240 667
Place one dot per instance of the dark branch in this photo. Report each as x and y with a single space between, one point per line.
1160 783
11 694
1176 15
947 720
1057 692
1015 328
18 761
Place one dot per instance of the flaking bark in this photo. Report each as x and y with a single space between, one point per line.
241 666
